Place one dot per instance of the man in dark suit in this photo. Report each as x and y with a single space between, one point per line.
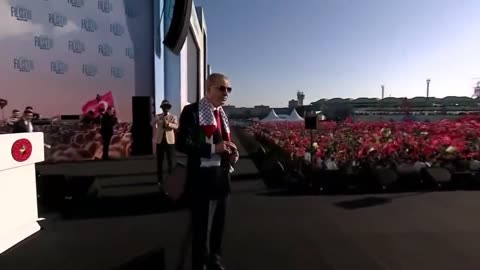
24 124
204 135
109 120
36 116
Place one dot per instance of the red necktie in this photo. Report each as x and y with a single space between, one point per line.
219 122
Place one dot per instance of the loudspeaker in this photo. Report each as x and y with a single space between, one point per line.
142 114
70 117
273 173
311 122
408 176
142 110
179 26
437 176
51 189
80 187
385 177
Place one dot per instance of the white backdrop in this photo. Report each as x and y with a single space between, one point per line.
58 54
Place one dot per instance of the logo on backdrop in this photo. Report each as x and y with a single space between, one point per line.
76 3
105 6
76 46
105 49
43 42
23 64
21 13
89 70
117 72
89 25
57 19
21 150
130 53
117 29
58 67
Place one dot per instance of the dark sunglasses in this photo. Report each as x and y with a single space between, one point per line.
225 89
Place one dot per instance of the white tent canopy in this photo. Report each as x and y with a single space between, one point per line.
272 116
294 117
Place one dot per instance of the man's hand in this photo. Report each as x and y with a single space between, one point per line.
231 146
221 148
234 156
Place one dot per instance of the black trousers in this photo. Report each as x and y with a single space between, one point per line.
106 138
208 198
163 149
208 224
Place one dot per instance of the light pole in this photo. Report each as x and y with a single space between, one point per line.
383 91
428 87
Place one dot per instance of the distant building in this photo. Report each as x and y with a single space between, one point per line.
300 98
292 104
391 103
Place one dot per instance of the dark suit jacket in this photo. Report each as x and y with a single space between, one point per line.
20 127
107 123
212 182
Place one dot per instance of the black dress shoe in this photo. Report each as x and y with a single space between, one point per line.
198 267
215 266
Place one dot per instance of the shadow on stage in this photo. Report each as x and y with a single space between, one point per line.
131 205
152 260
372 201
364 201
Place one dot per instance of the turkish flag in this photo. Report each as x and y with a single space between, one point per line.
99 103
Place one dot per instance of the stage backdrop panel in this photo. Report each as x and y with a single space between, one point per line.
59 54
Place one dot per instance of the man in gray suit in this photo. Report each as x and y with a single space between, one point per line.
164 125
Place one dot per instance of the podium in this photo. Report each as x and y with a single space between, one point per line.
18 193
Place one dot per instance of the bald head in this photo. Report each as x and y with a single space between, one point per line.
218 89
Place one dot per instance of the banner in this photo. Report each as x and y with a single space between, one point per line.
75 57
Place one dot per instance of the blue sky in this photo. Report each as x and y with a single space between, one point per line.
343 48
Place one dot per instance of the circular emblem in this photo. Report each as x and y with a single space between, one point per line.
21 150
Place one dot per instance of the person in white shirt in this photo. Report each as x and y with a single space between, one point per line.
164 125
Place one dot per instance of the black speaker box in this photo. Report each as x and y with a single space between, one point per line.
311 122
179 27
142 114
437 176
142 110
80 187
386 177
51 189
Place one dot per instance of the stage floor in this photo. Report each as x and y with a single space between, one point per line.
439 230
265 230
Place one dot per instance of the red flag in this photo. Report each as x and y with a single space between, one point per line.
99 103
209 130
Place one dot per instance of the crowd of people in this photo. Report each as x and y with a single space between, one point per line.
20 122
90 139
341 145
